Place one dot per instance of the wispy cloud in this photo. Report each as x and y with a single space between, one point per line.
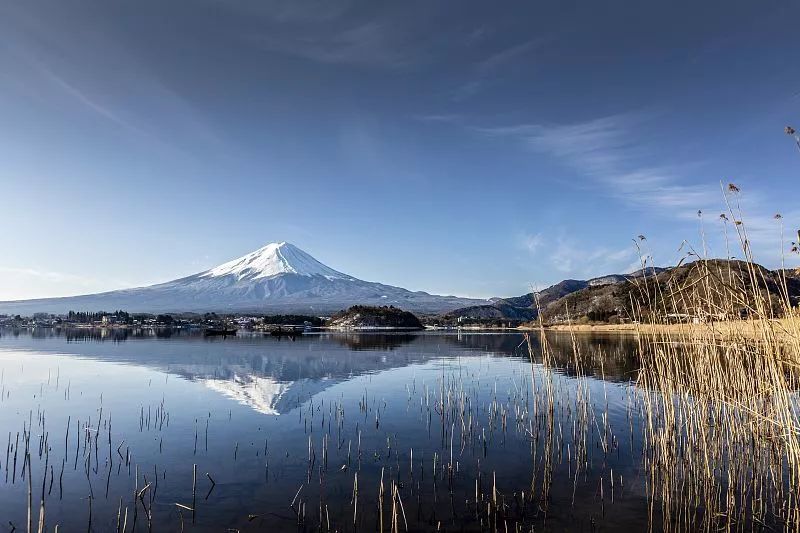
84 98
294 10
48 275
394 37
574 259
30 282
571 258
506 56
101 97
615 153
100 74
445 118
532 242
372 44
491 68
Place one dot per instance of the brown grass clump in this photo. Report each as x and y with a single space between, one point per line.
720 400
717 389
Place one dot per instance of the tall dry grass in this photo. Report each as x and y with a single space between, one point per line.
717 389
720 396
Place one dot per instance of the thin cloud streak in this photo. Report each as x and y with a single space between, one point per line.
26 282
489 70
370 44
567 256
82 97
570 258
608 150
611 151
47 275
130 95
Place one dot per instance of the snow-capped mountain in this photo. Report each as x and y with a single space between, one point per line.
278 278
273 260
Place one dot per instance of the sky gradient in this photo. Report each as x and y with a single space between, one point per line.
461 148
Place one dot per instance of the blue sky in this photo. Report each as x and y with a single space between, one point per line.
460 147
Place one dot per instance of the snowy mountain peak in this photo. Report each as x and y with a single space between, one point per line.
272 260
278 278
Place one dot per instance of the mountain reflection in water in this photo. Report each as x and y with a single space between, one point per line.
273 375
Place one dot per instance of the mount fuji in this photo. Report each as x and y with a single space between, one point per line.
278 278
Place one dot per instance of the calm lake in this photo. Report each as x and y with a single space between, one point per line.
462 431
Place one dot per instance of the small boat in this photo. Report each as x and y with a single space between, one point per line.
219 332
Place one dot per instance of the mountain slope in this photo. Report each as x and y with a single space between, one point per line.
526 307
547 295
683 291
278 278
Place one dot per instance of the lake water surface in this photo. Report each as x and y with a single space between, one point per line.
462 431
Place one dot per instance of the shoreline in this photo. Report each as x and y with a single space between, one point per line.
782 326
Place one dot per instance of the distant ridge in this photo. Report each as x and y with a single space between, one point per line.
526 307
276 278
610 298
